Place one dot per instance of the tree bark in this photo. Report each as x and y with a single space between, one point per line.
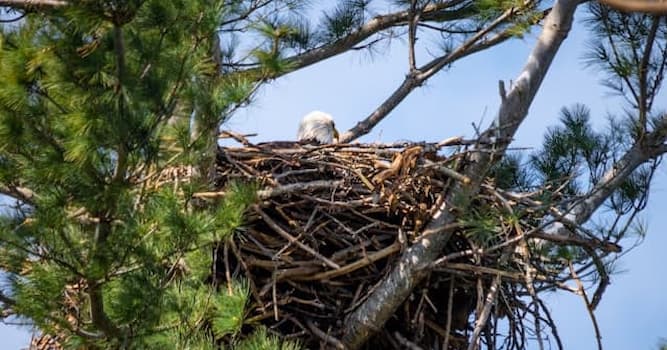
411 268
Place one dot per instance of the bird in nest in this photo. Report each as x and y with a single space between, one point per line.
317 128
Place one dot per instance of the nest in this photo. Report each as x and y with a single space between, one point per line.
333 220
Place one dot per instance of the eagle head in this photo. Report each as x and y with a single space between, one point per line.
317 128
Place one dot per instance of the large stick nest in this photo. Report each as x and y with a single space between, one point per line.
334 220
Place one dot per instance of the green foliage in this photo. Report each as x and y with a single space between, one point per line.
228 309
345 18
482 225
570 150
229 214
492 8
260 340
510 173
101 104
621 40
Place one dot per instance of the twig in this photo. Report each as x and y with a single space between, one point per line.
406 343
449 172
365 261
486 312
582 292
327 338
448 325
281 190
552 324
292 239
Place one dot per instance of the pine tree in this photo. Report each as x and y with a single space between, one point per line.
105 245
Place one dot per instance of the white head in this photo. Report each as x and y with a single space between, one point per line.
317 127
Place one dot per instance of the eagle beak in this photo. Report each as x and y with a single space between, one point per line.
335 134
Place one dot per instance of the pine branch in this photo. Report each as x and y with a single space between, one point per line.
436 12
652 146
409 271
119 49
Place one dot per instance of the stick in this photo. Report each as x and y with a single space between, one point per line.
369 259
582 292
292 239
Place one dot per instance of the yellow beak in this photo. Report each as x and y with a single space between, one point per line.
335 134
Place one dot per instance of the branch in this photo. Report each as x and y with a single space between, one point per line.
433 12
653 7
490 301
23 194
293 239
97 313
7 301
32 4
642 151
582 291
643 102
417 77
408 271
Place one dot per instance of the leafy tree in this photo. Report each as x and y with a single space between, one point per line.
109 115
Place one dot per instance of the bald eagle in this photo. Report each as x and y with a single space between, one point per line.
317 128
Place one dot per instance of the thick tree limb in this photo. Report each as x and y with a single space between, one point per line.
408 272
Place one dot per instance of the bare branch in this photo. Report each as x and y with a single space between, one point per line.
417 77
6 300
582 291
412 34
293 239
490 300
643 72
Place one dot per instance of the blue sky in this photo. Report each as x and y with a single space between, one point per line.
633 312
